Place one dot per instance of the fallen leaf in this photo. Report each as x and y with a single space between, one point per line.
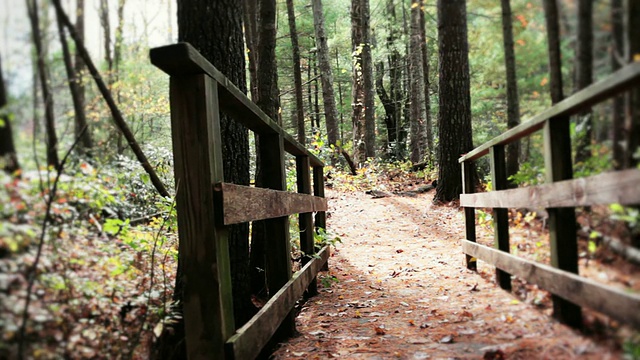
380 330
447 339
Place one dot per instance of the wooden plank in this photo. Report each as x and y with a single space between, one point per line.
622 187
616 83
618 304
305 220
245 203
562 221
249 340
184 59
203 246
500 216
469 212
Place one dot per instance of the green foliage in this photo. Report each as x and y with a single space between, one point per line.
631 348
326 281
529 174
321 238
629 215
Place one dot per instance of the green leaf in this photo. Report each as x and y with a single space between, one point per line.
592 246
617 208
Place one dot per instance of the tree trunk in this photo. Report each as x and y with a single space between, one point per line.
617 55
47 95
297 72
513 106
454 119
106 33
84 144
584 76
77 89
632 125
418 114
8 156
367 70
328 96
251 38
428 135
215 30
553 43
357 86
389 108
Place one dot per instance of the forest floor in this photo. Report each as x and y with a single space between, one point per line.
397 287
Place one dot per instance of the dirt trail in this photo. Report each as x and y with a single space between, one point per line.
403 292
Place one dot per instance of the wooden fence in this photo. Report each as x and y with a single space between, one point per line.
560 195
206 206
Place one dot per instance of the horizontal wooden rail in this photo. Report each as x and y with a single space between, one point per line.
249 340
184 59
621 80
616 303
614 187
244 203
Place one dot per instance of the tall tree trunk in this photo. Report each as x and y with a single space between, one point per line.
8 156
251 38
418 114
367 70
389 108
86 141
106 33
47 95
632 124
428 136
78 105
553 43
513 106
328 96
617 56
297 72
454 119
584 75
358 86
215 30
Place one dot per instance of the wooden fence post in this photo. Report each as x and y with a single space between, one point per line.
203 248
305 220
500 215
318 190
469 212
278 250
562 221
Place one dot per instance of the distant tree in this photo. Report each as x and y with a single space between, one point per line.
251 39
215 29
73 79
417 88
8 156
45 85
584 75
617 57
326 74
358 86
78 93
513 106
428 134
369 91
297 72
454 118
553 43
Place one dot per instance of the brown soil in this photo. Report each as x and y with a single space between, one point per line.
402 291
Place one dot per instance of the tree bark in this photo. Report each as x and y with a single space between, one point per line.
513 106
357 85
86 142
328 95
553 43
47 95
297 73
584 76
106 33
251 39
215 29
8 155
454 119
418 114
617 55
428 135
367 70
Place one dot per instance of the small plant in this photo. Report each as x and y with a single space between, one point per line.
322 239
327 280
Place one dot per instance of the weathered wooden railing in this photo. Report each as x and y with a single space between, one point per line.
206 206
560 195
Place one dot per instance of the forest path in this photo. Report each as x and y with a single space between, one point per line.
403 292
